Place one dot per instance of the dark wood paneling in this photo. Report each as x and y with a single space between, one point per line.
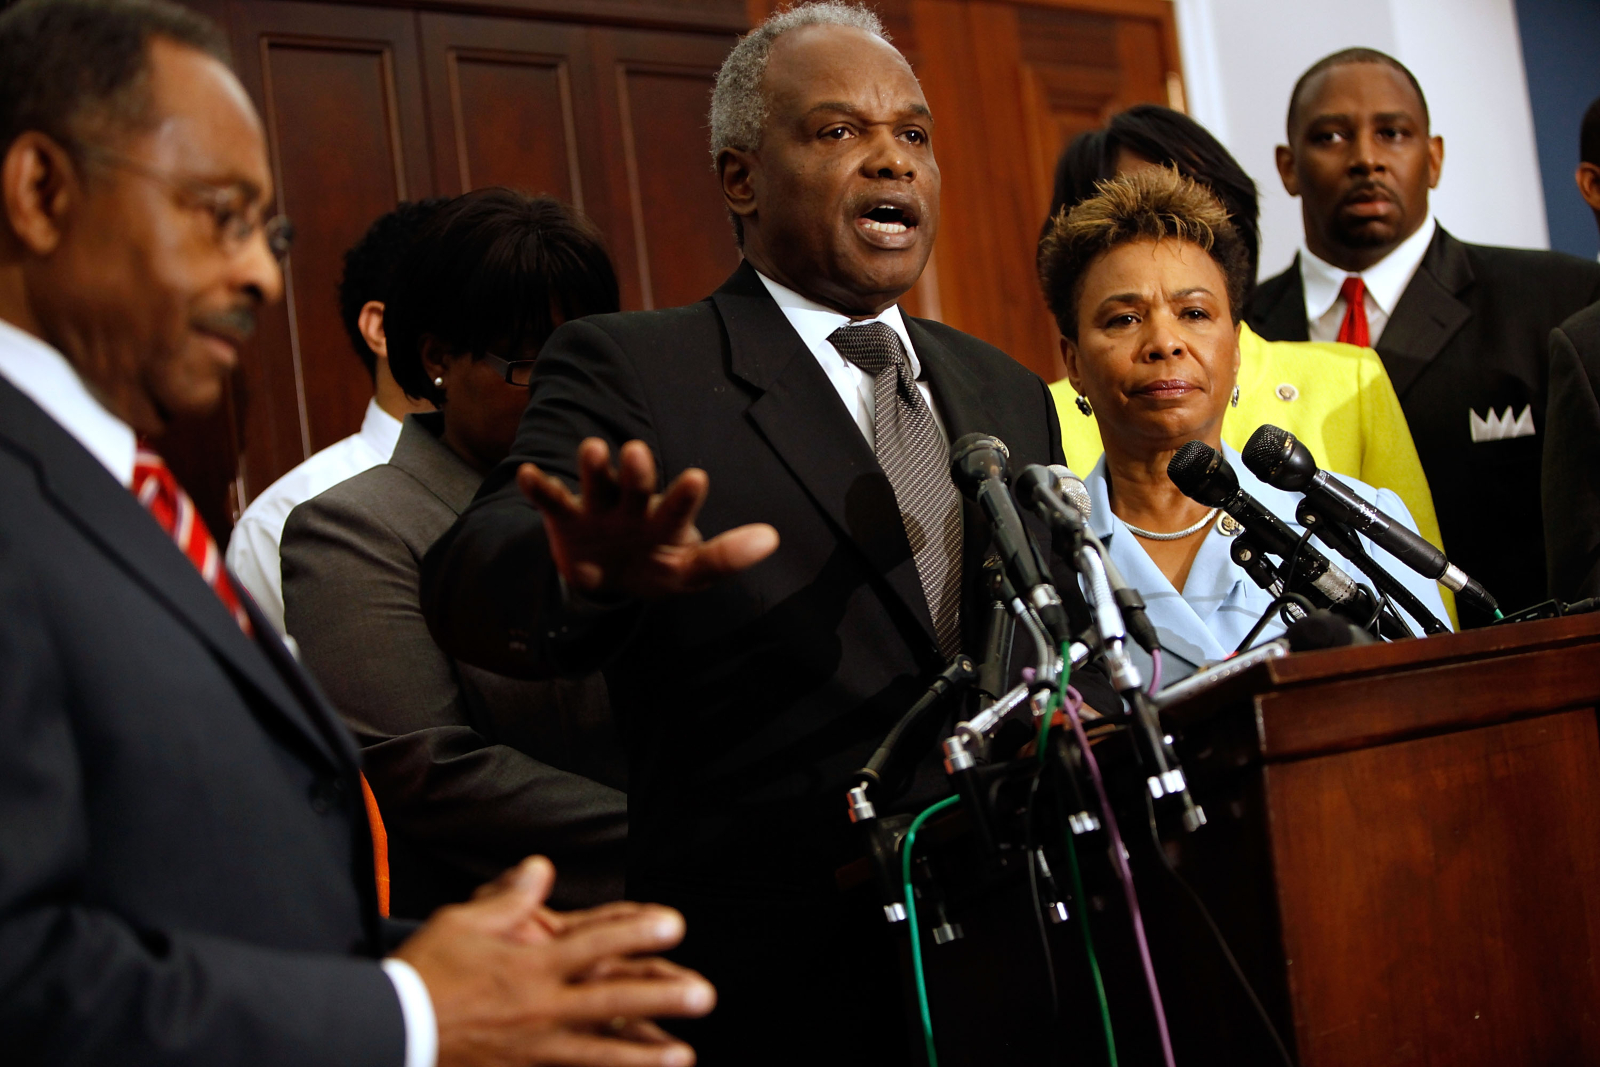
655 94
1441 873
727 16
508 102
340 92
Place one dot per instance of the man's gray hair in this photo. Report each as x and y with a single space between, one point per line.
738 107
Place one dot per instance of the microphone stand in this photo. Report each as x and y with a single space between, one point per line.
1343 540
1093 566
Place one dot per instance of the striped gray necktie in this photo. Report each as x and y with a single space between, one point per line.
914 454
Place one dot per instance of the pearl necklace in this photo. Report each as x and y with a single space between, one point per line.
1176 535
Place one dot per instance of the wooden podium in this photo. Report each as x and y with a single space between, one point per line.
1403 851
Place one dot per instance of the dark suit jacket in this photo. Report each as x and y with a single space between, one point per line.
744 707
1572 458
1470 333
472 771
185 863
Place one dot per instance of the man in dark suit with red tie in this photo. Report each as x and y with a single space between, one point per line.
186 873
1462 329
752 675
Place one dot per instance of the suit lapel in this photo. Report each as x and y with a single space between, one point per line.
800 415
1428 313
1278 312
108 516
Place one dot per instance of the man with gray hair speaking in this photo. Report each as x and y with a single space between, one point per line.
753 675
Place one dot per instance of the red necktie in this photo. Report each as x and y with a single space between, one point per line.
1353 330
170 506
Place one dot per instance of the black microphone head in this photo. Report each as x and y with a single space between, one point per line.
1029 481
976 458
1324 629
1278 458
1202 474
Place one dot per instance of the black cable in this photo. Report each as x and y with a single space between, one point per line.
1165 651
1033 888
1288 570
1216 935
1377 612
1266 617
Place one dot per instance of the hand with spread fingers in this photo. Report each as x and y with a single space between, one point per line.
514 983
620 537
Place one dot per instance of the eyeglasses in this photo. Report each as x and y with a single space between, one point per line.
515 371
234 217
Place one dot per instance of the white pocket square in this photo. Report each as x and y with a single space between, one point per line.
1501 427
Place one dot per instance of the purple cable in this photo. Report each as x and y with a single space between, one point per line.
1155 671
1125 876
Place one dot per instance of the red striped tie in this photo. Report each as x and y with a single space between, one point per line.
170 506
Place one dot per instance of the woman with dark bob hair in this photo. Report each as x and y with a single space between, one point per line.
471 771
1337 399
1146 281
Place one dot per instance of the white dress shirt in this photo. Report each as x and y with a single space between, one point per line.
44 374
1385 280
814 323
253 548
46 377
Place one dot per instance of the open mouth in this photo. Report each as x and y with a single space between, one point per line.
888 219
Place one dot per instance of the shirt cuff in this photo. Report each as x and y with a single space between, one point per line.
416 1007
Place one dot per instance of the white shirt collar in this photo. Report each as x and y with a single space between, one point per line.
1385 280
814 322
379 429
50 381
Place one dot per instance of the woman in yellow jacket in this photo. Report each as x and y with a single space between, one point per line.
1335 398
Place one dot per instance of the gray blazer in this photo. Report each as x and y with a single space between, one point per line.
472 771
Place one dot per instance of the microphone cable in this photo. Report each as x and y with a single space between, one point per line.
1216 935
1119 856
916 931
1061 700
1266 617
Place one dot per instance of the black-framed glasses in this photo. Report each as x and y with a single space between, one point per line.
514 371
233 215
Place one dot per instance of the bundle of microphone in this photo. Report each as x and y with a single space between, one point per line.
1321 604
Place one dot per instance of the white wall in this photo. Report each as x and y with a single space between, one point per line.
1241 58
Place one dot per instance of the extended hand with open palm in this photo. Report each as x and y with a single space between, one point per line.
619 537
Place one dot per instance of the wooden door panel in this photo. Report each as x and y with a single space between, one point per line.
511 102
655 89
685 241
340 93
521 133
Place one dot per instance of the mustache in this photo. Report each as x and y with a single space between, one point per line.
238 323
1368 186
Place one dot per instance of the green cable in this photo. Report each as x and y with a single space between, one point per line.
1088 946
916 932
1059 699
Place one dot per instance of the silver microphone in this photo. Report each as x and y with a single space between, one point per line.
1071 486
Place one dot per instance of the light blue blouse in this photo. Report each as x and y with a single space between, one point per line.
1220 603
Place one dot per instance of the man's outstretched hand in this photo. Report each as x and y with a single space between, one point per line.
514 984
620 537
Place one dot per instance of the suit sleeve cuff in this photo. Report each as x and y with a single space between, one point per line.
416 1006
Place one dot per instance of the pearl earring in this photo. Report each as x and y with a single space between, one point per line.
1234 401
438 383
1083 405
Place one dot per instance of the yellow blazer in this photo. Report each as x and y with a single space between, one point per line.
1336 398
